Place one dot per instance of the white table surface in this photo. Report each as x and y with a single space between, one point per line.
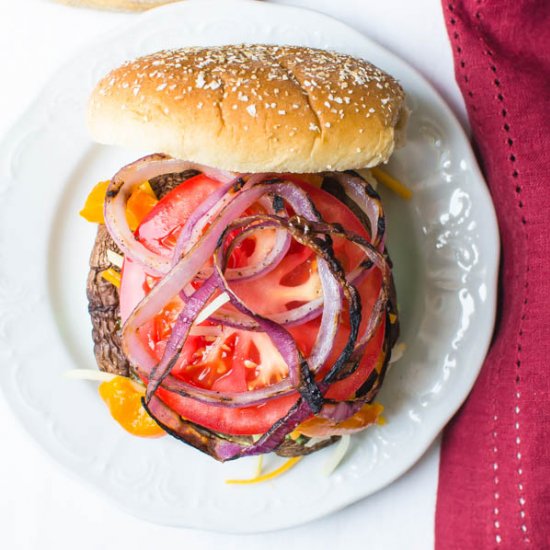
41 507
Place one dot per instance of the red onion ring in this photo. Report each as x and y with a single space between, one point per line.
118 192
366 199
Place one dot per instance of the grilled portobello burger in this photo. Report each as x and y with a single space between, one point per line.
256 302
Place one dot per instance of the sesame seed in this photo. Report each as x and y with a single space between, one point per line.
200 82
251 109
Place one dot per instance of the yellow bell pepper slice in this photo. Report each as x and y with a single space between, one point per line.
123 399
93 207
141 202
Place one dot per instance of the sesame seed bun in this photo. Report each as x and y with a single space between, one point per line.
252 108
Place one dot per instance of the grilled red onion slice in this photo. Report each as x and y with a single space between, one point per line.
209 209
180 332
267 263
129 177
364 199
119 191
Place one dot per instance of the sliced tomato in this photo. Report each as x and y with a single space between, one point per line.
239 361
161 228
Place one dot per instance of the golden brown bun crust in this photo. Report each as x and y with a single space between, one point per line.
252 108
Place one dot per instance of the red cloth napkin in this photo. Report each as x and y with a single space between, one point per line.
494 479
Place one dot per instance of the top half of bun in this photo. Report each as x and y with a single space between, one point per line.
252 108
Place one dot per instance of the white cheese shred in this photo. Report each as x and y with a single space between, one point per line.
212 307
116 259
397 352
89 374
259 466
98 376
337 456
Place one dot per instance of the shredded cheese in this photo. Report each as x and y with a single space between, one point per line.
97 376
212 307
397 352
116 259
89 374
315 440
259 466
290 463
112 276
338 455
389 181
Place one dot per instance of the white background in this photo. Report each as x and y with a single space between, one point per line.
41 507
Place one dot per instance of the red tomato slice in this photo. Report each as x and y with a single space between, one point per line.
239 360
160 229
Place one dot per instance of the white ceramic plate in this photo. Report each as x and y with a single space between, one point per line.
444 243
